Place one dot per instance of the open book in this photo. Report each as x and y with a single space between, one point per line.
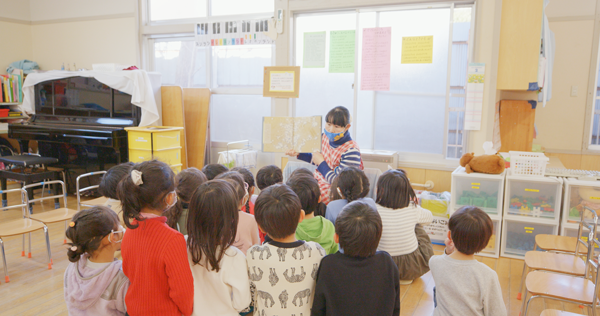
303 134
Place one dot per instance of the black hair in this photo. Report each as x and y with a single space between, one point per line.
277 211
301 171
212 222
158 181
110 180
248 178
394 190
471 229
267 176
237 180
366 184
307 189
321 209
87 228
351 183
187 181
333 192
359 229
339 116
213 170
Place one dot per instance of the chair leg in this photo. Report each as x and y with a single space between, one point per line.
29 245
6 279
66 227
527 307
23 251
522 281
48 247
524 298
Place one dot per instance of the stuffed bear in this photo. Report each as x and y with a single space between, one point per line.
493 164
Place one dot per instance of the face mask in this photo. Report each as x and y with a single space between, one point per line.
174 200
333 136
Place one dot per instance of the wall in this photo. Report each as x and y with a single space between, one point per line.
14 29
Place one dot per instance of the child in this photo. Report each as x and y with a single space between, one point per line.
465 286
154 255
360 281
247 230
248 178
282 270
267 176
352 184
94 281
221 285
187 182
213 170
108 185
338 150
312 228
407 243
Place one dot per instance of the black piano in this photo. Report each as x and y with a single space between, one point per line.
80 121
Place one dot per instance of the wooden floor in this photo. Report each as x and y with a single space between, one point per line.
35 290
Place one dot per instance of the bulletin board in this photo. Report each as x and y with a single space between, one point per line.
281 82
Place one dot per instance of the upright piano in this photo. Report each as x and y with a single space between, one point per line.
80 121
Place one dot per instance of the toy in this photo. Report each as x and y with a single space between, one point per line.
479 199
491 202
479 202
492 164
590 197
541 206
537 211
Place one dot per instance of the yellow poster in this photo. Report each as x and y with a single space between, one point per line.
417 50
282 81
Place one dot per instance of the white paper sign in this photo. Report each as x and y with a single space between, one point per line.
474 106
282 81
314 50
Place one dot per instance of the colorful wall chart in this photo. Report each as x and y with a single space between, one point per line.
417 50
314 50
243 32
341 51
376 59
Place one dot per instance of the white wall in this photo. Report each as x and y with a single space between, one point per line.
15 9
42 10
15 32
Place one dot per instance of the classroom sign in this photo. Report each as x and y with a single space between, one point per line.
417 50
241 32
376 59
341 51
314 49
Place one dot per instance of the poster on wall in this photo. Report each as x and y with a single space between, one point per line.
281 82
342 45
241 32
376 59
475 81
314 49
417 50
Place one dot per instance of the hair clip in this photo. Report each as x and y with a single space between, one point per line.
136 176
74 248
72 224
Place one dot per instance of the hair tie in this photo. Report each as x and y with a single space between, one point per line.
72 224
74 248
136 176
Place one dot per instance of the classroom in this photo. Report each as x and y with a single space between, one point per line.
300 157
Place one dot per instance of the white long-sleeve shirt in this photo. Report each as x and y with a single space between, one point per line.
226 292
398 236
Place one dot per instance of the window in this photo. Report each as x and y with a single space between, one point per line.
595 132
423 112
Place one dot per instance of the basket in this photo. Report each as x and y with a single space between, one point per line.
524 163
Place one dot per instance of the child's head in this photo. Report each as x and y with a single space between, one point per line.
351 184
239 185
212 222
470 229
301 171
112 177
334 194
93 229
186 183
248 178
213 170
394 190
358 229
267 176
150 186
307 189
278 211
337 120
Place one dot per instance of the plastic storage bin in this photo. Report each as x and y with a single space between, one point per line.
524 163
518 236
493 247
529 197
478 189
437 230
579 193
437 203
155 142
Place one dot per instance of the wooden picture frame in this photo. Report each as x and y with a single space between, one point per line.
270 71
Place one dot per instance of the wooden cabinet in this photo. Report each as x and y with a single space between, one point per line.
517 120
520 42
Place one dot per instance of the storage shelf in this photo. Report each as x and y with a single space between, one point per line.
13 117
9 103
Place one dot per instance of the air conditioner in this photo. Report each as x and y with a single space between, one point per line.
379 159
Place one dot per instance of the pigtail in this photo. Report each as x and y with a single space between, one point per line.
174 213
127 191
87 229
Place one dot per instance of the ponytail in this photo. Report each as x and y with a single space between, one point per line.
87 228
351 184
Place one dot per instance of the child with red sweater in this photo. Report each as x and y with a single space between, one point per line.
154 255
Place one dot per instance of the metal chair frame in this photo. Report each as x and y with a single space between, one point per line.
29 202
79 191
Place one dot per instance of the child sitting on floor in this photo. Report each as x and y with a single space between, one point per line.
362 280
282 270
211 171
312 228
94 282
352 185
465 286
187 181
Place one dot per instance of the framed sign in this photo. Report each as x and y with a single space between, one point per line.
281 82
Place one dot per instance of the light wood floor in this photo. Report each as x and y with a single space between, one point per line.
35 290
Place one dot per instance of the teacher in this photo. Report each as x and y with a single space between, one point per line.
338 150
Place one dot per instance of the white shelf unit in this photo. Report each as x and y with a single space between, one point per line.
579 193
485 191
531 207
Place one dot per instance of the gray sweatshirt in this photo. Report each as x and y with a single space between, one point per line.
466 288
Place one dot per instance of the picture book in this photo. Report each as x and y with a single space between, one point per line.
302 134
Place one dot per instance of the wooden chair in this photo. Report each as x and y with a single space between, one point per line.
93 202
62 214
565 288
21 226
569 264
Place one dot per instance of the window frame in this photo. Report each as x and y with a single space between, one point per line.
587 146
409 156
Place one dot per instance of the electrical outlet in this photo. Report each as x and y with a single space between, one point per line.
573 91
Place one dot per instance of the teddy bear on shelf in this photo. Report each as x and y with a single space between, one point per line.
590 197
492 164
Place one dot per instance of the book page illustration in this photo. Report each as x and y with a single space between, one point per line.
307 134
303 134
